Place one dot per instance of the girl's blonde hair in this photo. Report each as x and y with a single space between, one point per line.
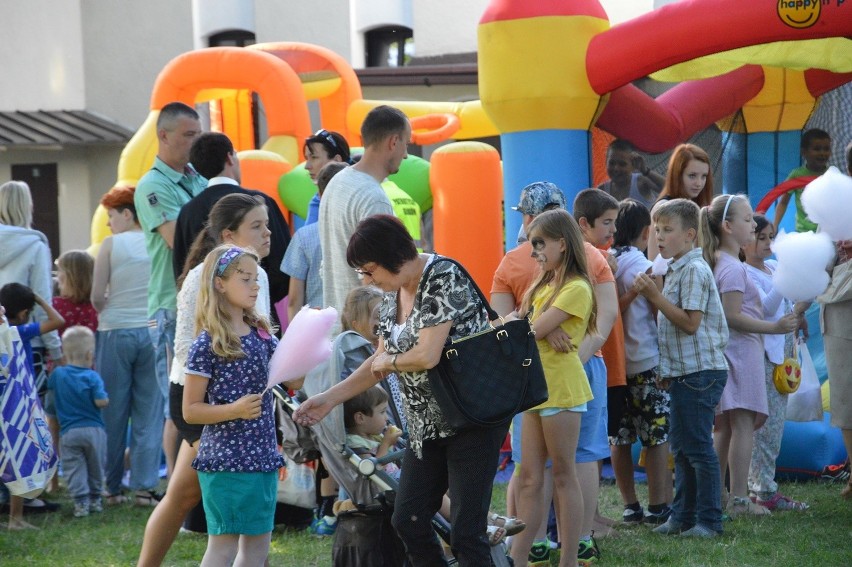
79 268
16 204
710 221
211 312
357 306
558 224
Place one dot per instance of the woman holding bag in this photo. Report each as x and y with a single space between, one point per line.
416 317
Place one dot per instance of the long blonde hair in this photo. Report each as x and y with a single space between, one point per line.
78 267
16 204
710 224
558 224
211 312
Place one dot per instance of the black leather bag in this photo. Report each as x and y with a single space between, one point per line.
485 379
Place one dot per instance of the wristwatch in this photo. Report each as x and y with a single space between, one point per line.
393 363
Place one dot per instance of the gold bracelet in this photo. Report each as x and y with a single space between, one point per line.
393 363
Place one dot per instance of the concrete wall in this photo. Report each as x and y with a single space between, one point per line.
84 175
126 44
322 22
42 55
446 26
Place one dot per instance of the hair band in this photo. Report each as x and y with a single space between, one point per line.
728 204
226 259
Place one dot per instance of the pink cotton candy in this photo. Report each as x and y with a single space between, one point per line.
305 345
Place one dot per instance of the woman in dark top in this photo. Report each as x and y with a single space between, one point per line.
416 317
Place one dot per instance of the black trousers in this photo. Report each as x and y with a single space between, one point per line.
466 464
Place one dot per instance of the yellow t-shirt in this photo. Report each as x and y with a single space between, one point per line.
567 384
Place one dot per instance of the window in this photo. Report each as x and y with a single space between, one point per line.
390 46
231 38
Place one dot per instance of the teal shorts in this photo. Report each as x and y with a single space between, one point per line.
239 502
548 412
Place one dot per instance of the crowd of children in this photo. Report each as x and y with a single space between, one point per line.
682 362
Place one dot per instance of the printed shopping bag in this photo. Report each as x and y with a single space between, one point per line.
27 456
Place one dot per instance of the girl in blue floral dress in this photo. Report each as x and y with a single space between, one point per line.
226 371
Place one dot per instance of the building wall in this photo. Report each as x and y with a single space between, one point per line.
84 175
322 22
126 44
42 56
446 26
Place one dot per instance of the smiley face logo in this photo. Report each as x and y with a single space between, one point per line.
799 14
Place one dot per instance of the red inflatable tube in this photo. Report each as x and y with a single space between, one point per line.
780 189
656 125
685 30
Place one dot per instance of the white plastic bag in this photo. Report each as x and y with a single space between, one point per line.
298 488
805 404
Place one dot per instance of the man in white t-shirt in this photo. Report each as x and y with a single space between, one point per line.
355 194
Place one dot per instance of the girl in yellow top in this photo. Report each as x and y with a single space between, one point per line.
562 310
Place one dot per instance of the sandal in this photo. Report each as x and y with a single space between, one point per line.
148 498
511 525
115 499
496 534
738 506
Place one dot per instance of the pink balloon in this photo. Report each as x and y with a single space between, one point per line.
305 345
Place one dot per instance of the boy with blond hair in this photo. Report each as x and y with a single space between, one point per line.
80 395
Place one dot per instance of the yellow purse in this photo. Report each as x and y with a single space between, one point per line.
788 374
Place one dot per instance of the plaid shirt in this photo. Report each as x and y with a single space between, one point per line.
690 285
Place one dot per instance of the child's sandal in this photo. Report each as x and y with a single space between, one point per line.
148 498
116 499
740 506
511 525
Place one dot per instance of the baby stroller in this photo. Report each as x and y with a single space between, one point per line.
364 536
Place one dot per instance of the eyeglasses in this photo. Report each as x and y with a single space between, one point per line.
363 273
326 135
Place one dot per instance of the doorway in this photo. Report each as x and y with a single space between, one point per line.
44 186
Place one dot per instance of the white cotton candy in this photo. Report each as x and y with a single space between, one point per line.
828 202
660 266
803 258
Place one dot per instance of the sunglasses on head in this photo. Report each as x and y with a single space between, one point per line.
326 135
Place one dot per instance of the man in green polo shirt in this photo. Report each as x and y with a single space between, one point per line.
160 194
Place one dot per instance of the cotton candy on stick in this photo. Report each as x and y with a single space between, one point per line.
660 266
305 345
828 202
802 261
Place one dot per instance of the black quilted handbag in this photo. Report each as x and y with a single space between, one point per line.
485 379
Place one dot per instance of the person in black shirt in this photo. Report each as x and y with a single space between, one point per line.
213 156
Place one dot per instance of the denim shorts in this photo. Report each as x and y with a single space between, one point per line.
593 444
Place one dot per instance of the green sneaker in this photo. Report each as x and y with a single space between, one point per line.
588 552
539 555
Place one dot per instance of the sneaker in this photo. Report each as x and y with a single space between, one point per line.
701 531
780 502
323 526
588 552
835 473
631 516
81 509
670 527
658 518
96 506
539 555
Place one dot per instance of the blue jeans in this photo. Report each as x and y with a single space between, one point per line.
125 360
161 327
697 498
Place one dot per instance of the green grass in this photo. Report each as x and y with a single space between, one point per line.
821 536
